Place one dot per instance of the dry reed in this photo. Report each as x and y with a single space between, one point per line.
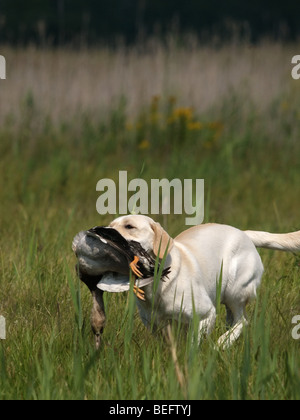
65 82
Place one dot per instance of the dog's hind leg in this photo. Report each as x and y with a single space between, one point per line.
245 278
229 317
239 321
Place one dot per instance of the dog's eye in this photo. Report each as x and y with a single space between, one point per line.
129 227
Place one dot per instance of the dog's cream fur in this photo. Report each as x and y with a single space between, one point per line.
199 257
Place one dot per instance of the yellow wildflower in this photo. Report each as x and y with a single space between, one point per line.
155 99
194 125
183 113
129 126
172 100
144 144
180 114
284 105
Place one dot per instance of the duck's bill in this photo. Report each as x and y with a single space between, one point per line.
116 283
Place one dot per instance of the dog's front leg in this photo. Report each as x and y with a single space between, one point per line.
206 325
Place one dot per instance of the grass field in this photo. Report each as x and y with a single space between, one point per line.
230 116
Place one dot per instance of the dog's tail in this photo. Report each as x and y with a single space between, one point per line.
279 241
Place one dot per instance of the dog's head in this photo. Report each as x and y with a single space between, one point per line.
144 230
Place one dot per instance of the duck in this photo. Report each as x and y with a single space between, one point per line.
140 262
103 249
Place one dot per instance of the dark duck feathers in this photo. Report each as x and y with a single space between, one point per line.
129 249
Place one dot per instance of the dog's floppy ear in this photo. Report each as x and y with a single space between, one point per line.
162 240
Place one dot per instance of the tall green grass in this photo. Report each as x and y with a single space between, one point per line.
249 159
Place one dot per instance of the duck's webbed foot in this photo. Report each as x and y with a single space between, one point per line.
133 266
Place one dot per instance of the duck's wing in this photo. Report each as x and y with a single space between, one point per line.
137 249
113 238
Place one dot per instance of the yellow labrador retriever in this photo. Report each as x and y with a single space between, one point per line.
199 257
